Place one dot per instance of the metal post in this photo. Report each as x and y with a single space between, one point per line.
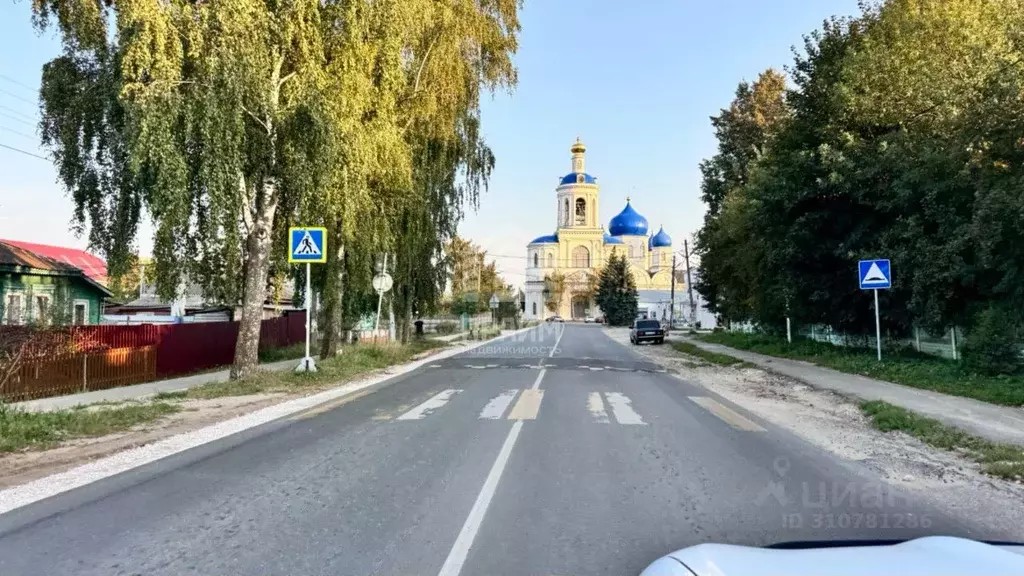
380 296
952 338
789 334
689 286
85 371
307 364
672 297
878 327
917 338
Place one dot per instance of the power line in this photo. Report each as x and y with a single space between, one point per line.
13 81
19 113
13 95
2 145
16 119
19 133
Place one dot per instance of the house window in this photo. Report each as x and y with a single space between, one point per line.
581 211
13 309
534 308
535 258
580 257
551 260
42 309
81 312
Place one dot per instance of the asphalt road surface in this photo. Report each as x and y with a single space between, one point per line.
557 451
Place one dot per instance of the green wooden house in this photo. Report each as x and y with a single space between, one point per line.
36 289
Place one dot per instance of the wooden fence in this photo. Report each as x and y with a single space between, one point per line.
68 374
68 360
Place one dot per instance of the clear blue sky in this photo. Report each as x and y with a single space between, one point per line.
637 86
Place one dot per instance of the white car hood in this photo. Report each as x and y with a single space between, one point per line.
931 556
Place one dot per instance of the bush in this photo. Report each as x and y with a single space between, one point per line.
446 327
991 347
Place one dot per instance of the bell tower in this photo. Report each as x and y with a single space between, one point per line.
578 193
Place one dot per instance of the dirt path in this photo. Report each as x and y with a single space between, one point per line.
836 424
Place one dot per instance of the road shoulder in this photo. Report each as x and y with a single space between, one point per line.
835 424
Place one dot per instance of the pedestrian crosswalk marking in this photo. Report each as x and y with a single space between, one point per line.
425 409
623 410
497 406
730 416
528 405
596 407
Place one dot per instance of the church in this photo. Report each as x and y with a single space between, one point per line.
581 245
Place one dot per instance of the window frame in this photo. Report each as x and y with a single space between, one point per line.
74 308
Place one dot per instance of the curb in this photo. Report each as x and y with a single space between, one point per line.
61 482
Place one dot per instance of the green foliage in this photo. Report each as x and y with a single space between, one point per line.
1003 460
900 138
691 349
992 346
616 291
554 291
902 366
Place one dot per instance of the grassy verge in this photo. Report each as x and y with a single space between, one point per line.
20 429
354 361
712 357
1003 460
904 366
293 352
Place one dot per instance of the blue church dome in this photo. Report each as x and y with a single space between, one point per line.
549 239
609 239
660 240
629 222
574 178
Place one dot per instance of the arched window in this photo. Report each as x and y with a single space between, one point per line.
534 308
565 213
551 260
581 212
580 257
535 259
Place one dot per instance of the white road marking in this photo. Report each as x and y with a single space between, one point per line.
528 405
557 340
497 406
460 550
623 409
536 383
436 401
596 407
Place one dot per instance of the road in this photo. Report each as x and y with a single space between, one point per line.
557 451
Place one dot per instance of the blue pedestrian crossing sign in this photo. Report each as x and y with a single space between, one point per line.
875 274
307 245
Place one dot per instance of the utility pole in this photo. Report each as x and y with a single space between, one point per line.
672 296
689 286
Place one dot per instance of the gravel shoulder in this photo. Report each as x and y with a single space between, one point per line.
835 424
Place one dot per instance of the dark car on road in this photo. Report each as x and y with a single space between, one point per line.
646 330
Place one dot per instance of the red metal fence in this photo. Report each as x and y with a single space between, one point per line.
67 360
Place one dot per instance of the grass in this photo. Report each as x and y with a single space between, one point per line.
293 352
713 357
903 366
1003 460
39 430
354 361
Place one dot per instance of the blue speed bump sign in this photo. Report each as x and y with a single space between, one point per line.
307 245
875 274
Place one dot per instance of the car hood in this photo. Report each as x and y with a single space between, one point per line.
931 556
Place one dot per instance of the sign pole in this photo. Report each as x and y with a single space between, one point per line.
380 295
878 327
307 245
309 300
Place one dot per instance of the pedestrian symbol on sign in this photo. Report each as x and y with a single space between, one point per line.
307 247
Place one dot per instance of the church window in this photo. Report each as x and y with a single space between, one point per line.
565 213
581 211
534 308
579 178
535 259
580 257
551 260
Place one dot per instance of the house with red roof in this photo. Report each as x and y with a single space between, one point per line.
38 289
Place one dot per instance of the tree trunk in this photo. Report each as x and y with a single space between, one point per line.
331 334
257 256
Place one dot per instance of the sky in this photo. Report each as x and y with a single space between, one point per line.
636 86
